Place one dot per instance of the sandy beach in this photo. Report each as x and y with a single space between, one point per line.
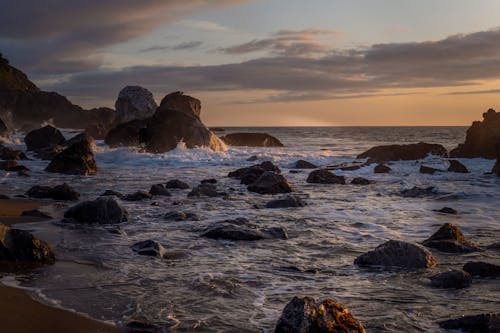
11 210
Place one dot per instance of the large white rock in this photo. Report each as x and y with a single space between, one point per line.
134 102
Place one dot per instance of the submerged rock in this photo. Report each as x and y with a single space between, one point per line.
482 269
137 196
447 210
323 176
103 210
482 323
286 202
449 238
360 181
149 248
452 279
270 183
241 230
456 166
62 192
206 190
21 246
159 190
111 193
180 216
305 315
302 164
397 254
416 192
44 137
77 159
134 102
175 183
416 151
381 168
251 140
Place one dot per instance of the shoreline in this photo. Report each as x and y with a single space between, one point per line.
11 210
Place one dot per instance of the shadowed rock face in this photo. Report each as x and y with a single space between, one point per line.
104 210
416 151
44 137
305 315
179 102
20 246
270 183
251 140
126 135
481 138
452 279
133 103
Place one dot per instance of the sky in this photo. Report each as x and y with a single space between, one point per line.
268 62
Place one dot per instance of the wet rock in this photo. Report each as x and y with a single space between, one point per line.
494 246
416 151
252 158
206 190
126 134
381 168
177 101
456 166
7 153
4 197
241 230
62 192
481 138
482 269
137 196
77 159
397 254
112 193
346 166
251 140
428 170
482 323
302 164
134 102
360 181
209 181
286 202
103 210
97 131
449 238
447 210
21 246
178 184
416 192
35 213
250 174
305 315
48 153
23 173
44 137
159 190
141 325
323 176
180 216
452 279
149 248
270 183
12 165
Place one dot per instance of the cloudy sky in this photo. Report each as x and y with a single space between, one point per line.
269 62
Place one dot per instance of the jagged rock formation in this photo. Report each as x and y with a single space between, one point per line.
77 159
415 151
133 103
179 102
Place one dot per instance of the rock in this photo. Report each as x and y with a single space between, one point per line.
112 193
346 166
21 246
482 269
4 197
251 140
452 279
250 174
481 138
381 168
103 210
397 254
416 151
159 189
44 137
416 192
323 176
12 165
207 190
180 216
217 129
48 153
23 173
137 196
141 325
270 183
77 159
428 170
126 134
97 131
286 202
302 164
360 181
4 131
496 167
177 101
7 153
149 248
175 183
447 210
209 181
456 166
449 238
305 315
60 192
35 213
234 230
482 323
133 103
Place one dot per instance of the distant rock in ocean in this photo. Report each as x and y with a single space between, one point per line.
133 103
251 140
481 139
416 151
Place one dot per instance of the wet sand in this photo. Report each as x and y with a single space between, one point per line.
11 209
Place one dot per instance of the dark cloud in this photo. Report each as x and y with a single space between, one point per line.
475 92
178 47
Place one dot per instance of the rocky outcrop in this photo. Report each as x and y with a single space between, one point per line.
177 101
241 230
62 192
449 238
44 137
287 202
126 134
305 315
270 183
77 159
416 151
481 138
456 166
482 323
397 254
103 210
251 140
456 279
323 176
482 269
149 248
133 103
303 164
381 168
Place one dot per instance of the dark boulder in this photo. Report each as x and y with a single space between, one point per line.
209 181
62 192
178 184
77 159
323 176
482 269
21 246
103 210
270 183
251 140
250 174
137 196
449 238
44 137
160 190
452 279
206 190
447 210
397 254
180 216
134 102
302 164
416 151
416 192
305 315
112 193
456 166
381 168
482 323
149 248
126 134
48 153
360 181
286 202
177 101
428 170
236 230
481 138
7 153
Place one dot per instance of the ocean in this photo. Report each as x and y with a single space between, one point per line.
222 286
